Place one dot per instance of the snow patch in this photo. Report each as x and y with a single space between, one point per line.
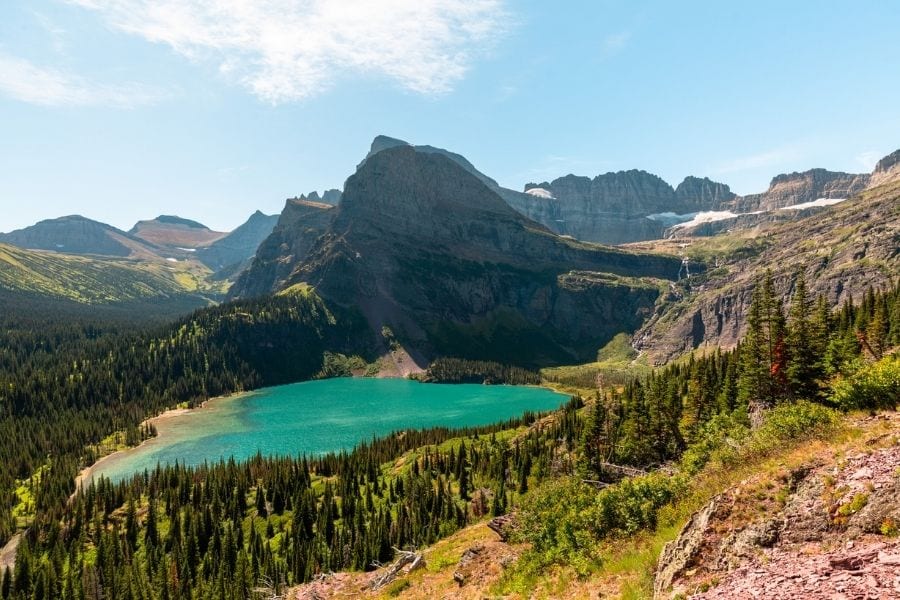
540 193
814 203
707 217
669 218
175 260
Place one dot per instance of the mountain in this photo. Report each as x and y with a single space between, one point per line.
75 234
842 249
234 251
51 279
301 222
617 208
798 188
887 170
437 260
174 232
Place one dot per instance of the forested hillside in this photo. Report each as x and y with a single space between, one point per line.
221 530
67 385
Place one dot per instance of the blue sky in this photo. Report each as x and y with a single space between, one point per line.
125 109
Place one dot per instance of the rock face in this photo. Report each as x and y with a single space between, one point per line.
427 249
233 251
828 246
798 188
887 170
301 222
74 234
169 231
614 208
817 530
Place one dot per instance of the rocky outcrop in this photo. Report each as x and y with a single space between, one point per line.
821 530
233 251
887 170
614 208
829 246
301 222
798 188
697 194
427 249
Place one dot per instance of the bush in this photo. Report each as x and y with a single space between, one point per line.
873 386
565 519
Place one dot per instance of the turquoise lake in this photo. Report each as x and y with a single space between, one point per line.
315 417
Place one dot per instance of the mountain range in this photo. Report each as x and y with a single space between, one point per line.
443 261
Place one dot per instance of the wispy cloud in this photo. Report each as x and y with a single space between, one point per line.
25 81
768 158
615 43
868 159
286 50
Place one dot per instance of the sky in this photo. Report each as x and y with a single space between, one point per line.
121 110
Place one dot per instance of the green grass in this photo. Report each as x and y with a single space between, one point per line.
100 280
616 363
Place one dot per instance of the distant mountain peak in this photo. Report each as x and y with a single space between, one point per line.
170 220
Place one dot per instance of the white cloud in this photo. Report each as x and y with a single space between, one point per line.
285 50
23 80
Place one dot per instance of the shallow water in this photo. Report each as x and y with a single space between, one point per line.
322 416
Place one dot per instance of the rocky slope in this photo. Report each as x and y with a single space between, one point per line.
614 208
824 529
798 188
173 232
842 250
301 222
75 234
436 260
887 170
234 251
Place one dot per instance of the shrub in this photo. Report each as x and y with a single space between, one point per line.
873 386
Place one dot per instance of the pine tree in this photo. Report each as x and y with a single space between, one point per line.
804 365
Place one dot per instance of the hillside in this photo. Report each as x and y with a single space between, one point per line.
75 234
300 224
437 261
842 250
99 280
175 232
233 252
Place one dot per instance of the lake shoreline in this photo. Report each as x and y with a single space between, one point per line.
84 478
163 423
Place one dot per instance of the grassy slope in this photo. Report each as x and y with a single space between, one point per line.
100 280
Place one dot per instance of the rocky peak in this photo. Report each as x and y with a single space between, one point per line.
797 188
424 246
301 222
698 194
887 170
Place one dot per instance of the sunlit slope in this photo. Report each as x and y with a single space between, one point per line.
94 280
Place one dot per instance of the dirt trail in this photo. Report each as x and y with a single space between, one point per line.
8 553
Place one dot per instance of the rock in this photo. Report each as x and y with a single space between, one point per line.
679 554
299 226
887 170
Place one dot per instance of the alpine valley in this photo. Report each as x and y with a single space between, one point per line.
728 369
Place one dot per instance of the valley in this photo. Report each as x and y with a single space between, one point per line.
642 380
